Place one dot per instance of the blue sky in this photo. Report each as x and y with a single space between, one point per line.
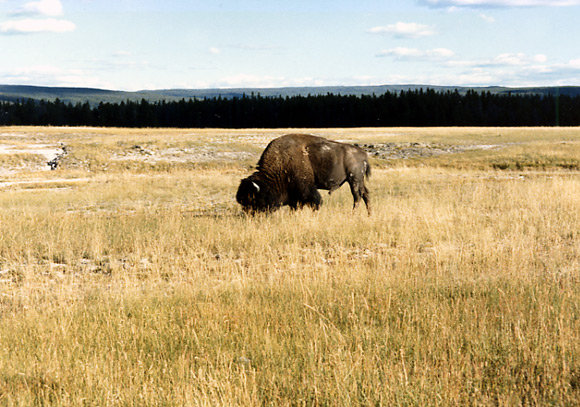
146 44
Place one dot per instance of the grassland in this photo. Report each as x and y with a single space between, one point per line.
128 276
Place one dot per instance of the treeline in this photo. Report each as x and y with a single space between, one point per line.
407 108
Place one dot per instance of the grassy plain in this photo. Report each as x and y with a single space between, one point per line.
128 276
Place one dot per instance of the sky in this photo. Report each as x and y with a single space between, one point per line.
163 44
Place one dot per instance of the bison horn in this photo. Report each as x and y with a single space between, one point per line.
256 185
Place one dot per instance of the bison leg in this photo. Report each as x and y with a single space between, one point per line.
309 197
312 198
367 199
305 197
315 199
358 190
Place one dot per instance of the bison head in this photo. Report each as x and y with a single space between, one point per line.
255 196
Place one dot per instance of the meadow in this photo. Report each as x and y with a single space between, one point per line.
130 277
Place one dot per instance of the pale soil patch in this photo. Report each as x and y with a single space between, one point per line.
394 151
47 150
50 152
181 155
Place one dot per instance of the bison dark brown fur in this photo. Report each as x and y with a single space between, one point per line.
294 167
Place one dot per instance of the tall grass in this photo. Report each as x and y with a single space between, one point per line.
151 288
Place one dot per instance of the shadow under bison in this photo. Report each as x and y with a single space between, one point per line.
294 167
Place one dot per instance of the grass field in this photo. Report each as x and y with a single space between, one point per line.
130 277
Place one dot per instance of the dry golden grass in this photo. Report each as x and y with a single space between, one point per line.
141 283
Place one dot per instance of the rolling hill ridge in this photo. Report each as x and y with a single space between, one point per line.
96 96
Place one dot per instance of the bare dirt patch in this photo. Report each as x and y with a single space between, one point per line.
394 151
182 155
51 153
47 150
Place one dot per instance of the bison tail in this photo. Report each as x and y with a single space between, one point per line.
367 169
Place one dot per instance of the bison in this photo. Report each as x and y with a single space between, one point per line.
294 167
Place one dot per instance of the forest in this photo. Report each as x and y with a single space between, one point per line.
419 108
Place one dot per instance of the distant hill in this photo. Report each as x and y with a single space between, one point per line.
96 96
74 95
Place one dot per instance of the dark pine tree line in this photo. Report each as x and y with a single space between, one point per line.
407 108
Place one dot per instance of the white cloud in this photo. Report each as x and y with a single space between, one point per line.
440 66
514 69
509 59
575 63
51 8
501 3
29 26
35 23
257 81
409 53
487 19
517 59
540 58
46 75
401 52
214 51
440 53
121 54
405 30
245 80
502 60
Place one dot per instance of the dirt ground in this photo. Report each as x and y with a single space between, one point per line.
394 151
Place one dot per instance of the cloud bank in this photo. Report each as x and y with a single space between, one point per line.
29 26
39 19
413 53
46 75
405 30
51 8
